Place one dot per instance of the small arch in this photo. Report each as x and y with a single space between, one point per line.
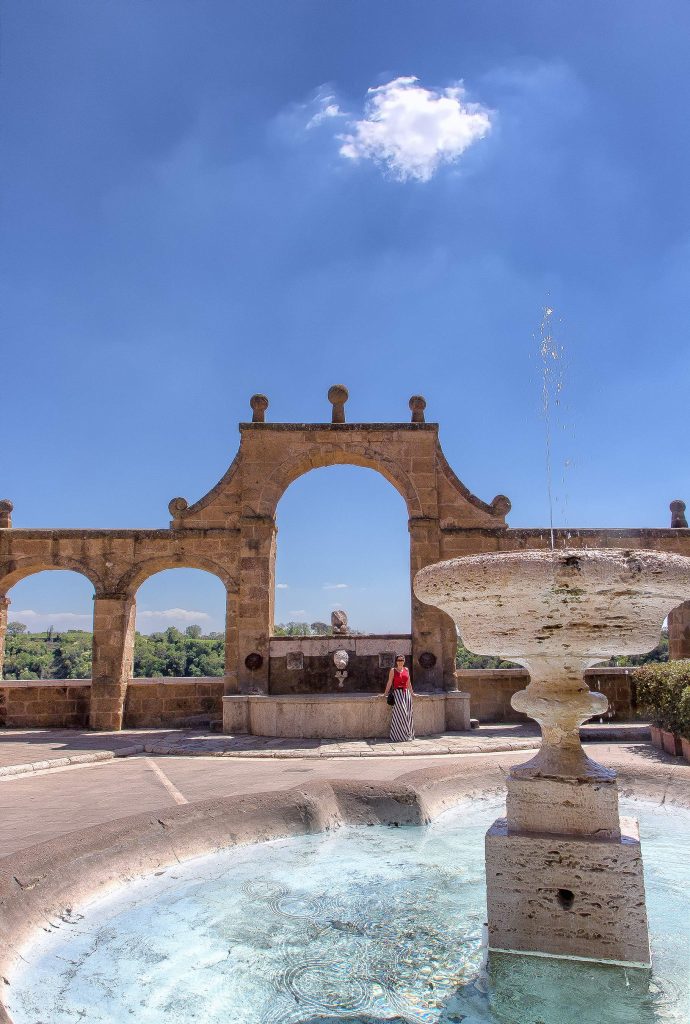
21 568
131 581
329 455
53 644
191 642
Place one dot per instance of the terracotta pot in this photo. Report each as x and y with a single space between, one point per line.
685 746
656 736
671 743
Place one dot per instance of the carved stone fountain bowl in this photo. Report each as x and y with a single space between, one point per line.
576 603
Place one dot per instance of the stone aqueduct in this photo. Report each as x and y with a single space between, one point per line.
231 532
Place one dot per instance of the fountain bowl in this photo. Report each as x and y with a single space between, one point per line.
577 604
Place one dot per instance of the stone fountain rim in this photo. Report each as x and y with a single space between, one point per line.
615 560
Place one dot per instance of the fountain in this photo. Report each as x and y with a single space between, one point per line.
564 870
341 659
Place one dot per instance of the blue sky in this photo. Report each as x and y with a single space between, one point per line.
201 200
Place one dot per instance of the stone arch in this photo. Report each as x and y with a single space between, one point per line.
25 567
131 581
349 503
319 456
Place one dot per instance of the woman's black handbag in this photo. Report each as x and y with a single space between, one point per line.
390 699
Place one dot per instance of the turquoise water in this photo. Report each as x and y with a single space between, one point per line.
361 925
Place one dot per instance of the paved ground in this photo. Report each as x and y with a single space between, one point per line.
23 750
45 803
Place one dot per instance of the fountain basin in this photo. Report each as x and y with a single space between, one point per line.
579 605
557 613
364 925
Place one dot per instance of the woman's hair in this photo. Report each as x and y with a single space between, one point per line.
399 657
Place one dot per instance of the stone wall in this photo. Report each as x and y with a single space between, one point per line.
305 664
491 689
45 703
150 703
178 702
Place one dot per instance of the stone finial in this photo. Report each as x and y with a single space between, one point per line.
6 507
678 520
418 405
177 506
338 396
501 505
339 622
259 404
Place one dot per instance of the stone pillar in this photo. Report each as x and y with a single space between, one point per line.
679 632
563 869
458 711
4 609
434 636
256 601
232 635
113 655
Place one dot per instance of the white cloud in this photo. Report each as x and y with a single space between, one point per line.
298 613
412 130
50 617
335 586
327 109
180 614
281 586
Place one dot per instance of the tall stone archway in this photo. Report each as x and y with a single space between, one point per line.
272 455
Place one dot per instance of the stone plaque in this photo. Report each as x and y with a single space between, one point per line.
295 661
386 659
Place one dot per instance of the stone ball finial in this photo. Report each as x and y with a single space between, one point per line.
501 505
177 506
339 622
678 520
338 396
259 404
6 507
418 405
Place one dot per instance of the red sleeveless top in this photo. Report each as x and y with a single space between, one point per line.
400 679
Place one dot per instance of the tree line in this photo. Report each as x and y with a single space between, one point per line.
67 654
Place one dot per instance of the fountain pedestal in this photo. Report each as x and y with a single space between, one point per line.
563 869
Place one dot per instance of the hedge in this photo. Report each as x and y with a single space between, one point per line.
663 694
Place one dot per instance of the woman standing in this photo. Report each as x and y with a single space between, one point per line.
402 722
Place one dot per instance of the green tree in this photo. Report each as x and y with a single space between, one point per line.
193 631
465 659
321 629
14 628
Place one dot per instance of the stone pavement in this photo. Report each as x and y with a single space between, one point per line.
38 806
30 750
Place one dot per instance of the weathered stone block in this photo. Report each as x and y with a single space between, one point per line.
562 806
457 711
566 896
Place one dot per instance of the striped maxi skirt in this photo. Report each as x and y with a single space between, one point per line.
402 722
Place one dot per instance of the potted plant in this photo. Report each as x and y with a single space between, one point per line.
660 695
684 717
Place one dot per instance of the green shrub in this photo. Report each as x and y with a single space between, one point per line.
684 713
663 694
